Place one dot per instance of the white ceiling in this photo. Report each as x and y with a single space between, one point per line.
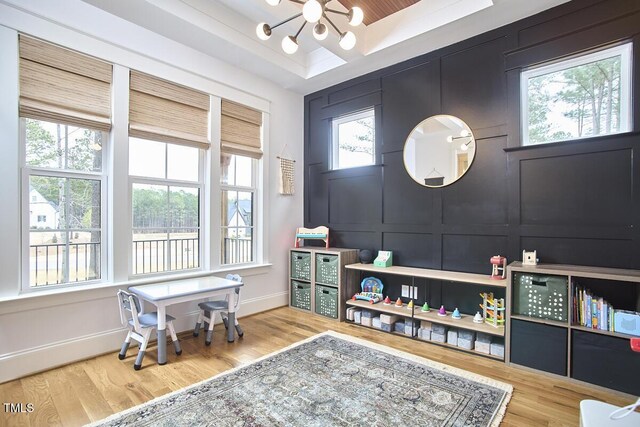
225 29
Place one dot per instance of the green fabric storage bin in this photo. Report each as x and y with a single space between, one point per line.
540 295
301 295
301 265
327 269
327 301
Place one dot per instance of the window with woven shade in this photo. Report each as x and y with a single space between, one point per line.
65 113
164 111
240 150
60 85
240 131
168 136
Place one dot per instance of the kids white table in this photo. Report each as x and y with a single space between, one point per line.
174 292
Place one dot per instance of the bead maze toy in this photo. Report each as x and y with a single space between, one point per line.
371 290
499 267
492 309
318 233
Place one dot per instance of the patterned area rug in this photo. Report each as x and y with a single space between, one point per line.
330 380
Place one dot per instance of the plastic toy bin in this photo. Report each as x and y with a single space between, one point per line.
327 301
301 265
541 296
327 269
301 295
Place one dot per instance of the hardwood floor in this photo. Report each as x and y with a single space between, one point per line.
93 389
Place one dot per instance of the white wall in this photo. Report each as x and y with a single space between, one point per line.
39 330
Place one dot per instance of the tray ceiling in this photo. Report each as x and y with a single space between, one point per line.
375 10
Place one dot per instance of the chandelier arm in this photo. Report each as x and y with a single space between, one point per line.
332 24
273 27
326 9
297 1
300 30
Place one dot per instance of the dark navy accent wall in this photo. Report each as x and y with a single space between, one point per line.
573 202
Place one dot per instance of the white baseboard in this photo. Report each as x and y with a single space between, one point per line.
37 359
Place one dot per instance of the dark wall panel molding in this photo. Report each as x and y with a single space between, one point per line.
573 202
479 105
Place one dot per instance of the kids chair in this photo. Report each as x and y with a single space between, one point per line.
140 326
217 306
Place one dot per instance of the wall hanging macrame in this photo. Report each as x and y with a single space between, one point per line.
286 175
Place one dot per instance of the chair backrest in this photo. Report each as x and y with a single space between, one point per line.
235 278
129 306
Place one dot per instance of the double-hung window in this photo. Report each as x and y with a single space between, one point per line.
65 111
65 186
238 185
166 189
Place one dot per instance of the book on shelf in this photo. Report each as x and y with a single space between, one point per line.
592 311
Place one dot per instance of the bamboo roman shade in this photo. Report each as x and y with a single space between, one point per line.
167 112
240 130
61 85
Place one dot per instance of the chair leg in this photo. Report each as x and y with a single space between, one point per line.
143 349
239 328
174 338
225 320
196 330
209 337
125 346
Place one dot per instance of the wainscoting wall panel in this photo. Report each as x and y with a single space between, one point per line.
573 202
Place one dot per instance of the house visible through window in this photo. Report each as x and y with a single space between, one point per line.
577 98
353 140
64 166
166 186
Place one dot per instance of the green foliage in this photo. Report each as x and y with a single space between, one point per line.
589 97
153 207
77 200
364 142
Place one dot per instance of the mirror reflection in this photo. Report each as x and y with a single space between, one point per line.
439 151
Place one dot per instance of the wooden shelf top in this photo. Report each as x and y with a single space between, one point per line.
466 322
616 274
540 320
451 276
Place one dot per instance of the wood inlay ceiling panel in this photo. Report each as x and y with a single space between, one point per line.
375 10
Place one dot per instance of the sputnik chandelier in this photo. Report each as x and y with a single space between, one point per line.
313 12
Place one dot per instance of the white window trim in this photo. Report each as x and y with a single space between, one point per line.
200 184
335 135
626 73
28 171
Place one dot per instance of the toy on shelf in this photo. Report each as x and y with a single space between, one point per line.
478 318
318 233
387 301
456 314
492 309
442 311
425 307
529 258
410 305
371 290
383 259
398 302
499 267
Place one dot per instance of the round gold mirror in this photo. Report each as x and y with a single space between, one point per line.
439 151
